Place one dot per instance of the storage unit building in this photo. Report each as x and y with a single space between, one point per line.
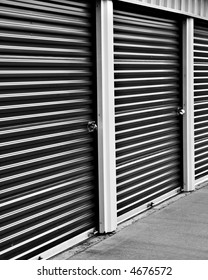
103 115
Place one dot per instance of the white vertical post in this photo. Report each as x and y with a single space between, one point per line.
188 104
106 117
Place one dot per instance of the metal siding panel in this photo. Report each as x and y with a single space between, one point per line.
47 155
196 8
201 99
147 95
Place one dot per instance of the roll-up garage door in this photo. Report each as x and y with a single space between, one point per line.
147 104
48 179
201 100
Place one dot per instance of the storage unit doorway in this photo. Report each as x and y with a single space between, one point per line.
49 157
201 99
148 107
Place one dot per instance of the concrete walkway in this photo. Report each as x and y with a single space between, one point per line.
175 230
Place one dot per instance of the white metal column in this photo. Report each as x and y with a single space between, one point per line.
188 104
106 117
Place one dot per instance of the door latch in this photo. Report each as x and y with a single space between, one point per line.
180 111
91 126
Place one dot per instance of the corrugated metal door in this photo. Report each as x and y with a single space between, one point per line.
201 100
147 97
48 178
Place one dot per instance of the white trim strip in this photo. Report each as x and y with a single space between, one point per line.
106 117
188 105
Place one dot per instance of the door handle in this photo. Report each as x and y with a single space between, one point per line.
181 111
91 126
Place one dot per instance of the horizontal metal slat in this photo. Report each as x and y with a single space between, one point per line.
64 236
144 116
31 242
151 80
42 51
48 116
43 148
19 73
35 5
131 155
139 19
136 131
139 73
130 55
147 185
202 144
144 194
41 227
160 87
47 180
148 197
16 13
42 60
45 29
51 168
19 216
146 182
43 158
150 176
133 141
123 38
201 158
45 194
140 166
45 125
56 40
201 167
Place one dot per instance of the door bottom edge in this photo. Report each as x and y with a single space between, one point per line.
57 252
147 206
